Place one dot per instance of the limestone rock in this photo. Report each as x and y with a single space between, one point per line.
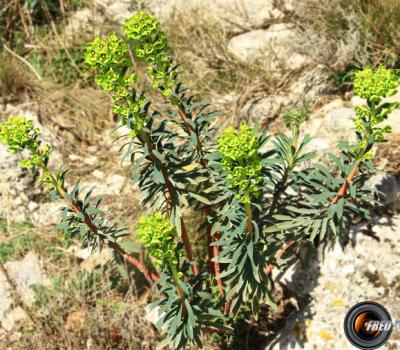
360 271
24 273
309 87
91 259
18 186
271 47
265 109
231 15
47 214
116 10
83 21
108 186
389 186
328 125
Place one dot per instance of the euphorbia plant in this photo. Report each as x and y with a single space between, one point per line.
263 198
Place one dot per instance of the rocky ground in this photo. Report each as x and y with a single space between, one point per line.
258 34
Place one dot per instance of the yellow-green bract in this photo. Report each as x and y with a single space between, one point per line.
110 60
151 45
19 134
158 235
372 84
239 151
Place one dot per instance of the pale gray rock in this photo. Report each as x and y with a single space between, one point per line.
270 47
24 273
90 259
116 10
267 108
108 186
19 186
47 214
14 184
83 21
328 125
230 15
308 88
365 271
389 186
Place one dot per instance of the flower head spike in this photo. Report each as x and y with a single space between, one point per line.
240 158
374 84
150 43
106 54
158 235
19 134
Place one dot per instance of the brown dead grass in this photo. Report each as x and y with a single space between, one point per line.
390 153
210 70
16 82
79 115
341 34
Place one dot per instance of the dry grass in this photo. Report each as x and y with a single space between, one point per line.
345 33
97 310
390 153
16 81
103 309
208 67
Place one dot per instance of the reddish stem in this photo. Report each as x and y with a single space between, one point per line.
345 186
227 306
171 194
217 236
150 277
188 248
342 191
278 255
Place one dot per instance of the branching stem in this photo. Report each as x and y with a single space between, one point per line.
150 277
145 139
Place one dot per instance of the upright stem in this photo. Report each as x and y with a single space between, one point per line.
217 236
278 255
345 186
175 277
199 147
281 186
249 224
145 139
188 247
279 191
150 277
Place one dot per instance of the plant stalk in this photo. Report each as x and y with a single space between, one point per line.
150 277
145 139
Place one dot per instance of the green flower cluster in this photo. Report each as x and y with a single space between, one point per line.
110 60
19 134
150 44
158 236
374 84
239 151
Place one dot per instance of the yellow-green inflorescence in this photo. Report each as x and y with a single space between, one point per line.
158 235
19 134
373 85
240 157
110 60
150 44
